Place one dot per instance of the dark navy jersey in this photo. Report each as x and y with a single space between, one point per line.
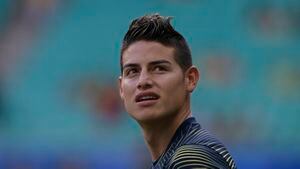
193 147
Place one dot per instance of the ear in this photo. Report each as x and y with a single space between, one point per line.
120 88
192 76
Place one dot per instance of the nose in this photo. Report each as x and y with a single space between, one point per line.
145 81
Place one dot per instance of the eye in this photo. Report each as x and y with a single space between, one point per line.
159 68
131 72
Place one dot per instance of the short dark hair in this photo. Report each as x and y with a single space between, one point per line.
158 28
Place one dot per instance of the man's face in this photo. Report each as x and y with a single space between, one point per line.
152 85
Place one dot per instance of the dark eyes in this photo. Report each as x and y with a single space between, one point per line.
131 71
159 69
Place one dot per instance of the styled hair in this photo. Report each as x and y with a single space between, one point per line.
157 28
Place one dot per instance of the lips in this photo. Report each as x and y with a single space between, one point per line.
146 96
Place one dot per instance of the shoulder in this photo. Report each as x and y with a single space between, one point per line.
197 156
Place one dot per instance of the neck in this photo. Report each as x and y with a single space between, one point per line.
159 134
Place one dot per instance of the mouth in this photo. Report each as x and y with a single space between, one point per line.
146 97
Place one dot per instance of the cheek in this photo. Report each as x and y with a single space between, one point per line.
128 90
174 87
126 96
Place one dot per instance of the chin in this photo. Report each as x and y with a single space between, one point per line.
145 116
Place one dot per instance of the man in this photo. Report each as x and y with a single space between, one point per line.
157 77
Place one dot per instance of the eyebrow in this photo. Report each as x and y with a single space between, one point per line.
159 62
130 65
151 63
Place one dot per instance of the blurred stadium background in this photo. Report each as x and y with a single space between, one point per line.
59 64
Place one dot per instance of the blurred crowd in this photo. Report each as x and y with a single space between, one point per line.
59 70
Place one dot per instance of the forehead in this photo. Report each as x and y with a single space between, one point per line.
142 52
